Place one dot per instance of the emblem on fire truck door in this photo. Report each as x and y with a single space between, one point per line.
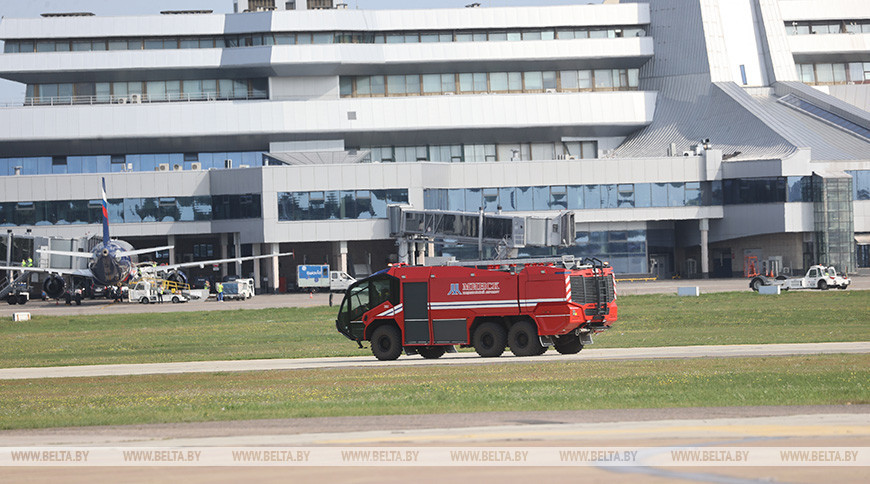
454 290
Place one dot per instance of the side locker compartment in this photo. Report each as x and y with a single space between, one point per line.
415 301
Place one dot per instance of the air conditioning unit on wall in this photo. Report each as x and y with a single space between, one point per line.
196 166
162 167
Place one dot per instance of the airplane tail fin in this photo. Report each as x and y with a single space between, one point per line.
105 216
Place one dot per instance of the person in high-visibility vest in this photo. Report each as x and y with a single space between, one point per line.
220 291
160 294
30 262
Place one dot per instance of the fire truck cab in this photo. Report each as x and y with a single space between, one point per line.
525 305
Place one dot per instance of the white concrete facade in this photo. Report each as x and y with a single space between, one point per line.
305 109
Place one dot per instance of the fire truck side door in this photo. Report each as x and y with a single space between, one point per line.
415 304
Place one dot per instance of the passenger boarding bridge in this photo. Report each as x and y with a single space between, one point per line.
505 232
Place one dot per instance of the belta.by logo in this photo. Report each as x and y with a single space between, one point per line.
454 290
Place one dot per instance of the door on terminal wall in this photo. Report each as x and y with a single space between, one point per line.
722 263
660 266
864 255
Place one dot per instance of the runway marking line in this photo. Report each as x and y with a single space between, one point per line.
693 430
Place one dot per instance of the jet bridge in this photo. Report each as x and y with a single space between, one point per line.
503 231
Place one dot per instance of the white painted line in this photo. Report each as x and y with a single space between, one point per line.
666 352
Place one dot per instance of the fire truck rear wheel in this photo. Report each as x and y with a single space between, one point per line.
523 339
432 352
490 339
568 345
387 343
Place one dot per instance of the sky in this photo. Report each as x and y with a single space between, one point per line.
14 92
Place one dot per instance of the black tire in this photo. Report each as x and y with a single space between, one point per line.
823 285
22 299
175 300
78 300
842 287
432 352
523 339
387 343
489 340
11 300
568 345
755 284
144 300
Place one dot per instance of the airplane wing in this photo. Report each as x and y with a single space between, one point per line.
65 253
203 263
144 251
60 272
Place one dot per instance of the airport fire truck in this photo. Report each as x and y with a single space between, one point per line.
526 305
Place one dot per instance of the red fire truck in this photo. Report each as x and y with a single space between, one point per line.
524 304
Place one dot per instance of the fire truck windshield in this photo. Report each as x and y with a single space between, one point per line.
364 295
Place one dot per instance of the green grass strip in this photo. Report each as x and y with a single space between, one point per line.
535 385
647 320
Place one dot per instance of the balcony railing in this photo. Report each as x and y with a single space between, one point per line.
132 99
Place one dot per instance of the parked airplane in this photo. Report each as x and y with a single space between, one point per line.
111 262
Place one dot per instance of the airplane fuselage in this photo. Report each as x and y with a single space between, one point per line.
108 265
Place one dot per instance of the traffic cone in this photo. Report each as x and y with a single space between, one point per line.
310 295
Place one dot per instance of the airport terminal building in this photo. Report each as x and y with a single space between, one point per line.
689 137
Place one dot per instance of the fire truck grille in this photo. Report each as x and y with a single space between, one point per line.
592 290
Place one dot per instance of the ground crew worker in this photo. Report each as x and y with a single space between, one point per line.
220 291
30 262
160 294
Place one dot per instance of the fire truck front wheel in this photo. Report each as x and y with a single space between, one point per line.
490 339
523 339
387 343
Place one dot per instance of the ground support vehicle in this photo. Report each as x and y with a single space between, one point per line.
145 292
18 294
239 289
817 277
321 277
526 305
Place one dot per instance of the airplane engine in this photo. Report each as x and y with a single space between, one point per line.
53 286
177 277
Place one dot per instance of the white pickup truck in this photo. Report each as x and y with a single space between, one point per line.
817 277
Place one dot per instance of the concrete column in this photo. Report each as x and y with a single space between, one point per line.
403 251
272 268
255 248
9 254
342 256
224 253
420 253
170 240
237 238
704 225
